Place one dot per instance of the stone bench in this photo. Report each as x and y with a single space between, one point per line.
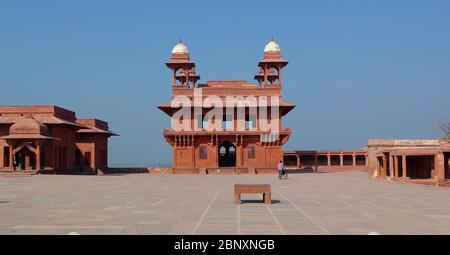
264 189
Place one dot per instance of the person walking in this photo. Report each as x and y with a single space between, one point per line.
280 169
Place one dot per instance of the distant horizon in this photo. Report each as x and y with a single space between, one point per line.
357 70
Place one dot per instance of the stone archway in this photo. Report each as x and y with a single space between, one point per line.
227 154
26 156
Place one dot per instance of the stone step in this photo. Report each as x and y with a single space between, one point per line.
20 173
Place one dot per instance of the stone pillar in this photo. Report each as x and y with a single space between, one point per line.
243 151
385 165
239 159
174 81
439 165
329 159
11 157
378 170
265 75
279 75
391 166
405 168
354 159
93 157
191 144
298 160
316 163
395 166
217 152
187 76
38 157
341 157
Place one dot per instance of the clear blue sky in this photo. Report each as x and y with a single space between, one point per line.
358 69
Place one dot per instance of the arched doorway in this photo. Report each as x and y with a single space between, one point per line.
25 159
227 154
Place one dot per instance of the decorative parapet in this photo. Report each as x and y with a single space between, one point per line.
402 143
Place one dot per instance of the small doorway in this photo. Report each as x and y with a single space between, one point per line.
290 160
6 155
380 166
227 154
400 166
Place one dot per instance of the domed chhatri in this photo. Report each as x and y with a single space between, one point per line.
272 46
183 69
180 48
28 126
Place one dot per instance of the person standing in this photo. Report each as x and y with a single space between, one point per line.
22 161
280 169
14 162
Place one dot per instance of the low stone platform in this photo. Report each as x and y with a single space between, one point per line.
19 173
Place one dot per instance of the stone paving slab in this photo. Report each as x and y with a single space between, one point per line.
305 203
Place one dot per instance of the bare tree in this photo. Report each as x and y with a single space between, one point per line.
444 125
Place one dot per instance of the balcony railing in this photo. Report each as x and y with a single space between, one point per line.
168 131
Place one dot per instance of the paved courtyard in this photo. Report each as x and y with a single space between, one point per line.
306 203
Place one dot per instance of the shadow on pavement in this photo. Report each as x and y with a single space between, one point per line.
258 201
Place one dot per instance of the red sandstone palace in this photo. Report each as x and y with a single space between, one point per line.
218 126
231 140
51 139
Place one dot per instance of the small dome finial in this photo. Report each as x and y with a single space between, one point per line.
180 48
272 46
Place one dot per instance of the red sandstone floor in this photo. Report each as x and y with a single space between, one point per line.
307 203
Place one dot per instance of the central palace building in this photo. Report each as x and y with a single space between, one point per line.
231 147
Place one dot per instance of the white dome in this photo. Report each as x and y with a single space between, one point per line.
272 46
180 48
